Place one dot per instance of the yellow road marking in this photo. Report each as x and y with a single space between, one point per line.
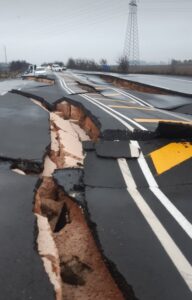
170 156
130 107
98 87
111 95
112 100
161 120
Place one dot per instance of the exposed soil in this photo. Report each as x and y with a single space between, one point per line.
69 252
87 87
135 86
83 272
76 114
39 79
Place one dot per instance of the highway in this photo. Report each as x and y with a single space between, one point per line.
143 225
173 83
180 84
7 85
24 131
135 186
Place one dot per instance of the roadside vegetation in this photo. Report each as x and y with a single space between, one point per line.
176 67
13 69
85 64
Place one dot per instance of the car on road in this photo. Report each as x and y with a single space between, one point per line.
56 68
40 71
36 70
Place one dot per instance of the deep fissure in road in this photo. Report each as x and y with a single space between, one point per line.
71 258
135 86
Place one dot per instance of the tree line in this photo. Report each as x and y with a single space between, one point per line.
90 65
19 66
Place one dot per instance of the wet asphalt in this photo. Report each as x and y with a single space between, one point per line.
129 245
133 252
24 128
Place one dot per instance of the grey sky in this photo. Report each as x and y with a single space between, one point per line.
47 30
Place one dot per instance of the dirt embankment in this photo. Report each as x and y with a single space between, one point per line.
135 85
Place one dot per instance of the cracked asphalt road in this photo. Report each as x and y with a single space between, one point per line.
137 203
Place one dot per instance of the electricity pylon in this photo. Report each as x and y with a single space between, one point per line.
131 47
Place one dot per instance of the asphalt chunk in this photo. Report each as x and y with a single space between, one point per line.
24 128
22 275
116 149
102 172
126 240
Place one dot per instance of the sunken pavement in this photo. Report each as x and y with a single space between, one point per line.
70 173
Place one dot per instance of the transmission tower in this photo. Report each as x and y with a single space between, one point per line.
131 47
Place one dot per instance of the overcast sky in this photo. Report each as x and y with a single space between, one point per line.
48 30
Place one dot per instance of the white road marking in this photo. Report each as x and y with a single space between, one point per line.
134 98
135 151
173 115
116 112
110 113
63 84
104 107
142 102
174 212
165 77
99 105
174 253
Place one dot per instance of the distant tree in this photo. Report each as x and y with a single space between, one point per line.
82 64
18 66
103 61
174 63
44 64
60 63
123 64
71 63
104 65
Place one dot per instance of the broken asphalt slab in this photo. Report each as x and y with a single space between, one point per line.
167 102
127 241
110 127
184 109
102 172
89 78
24 129
47 95
116 149
124 237
72 178
71 181
167 83
22 274
7 85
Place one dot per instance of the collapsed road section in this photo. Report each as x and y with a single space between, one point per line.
24 130
22 274
125 226
62 237
78 270
109 224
